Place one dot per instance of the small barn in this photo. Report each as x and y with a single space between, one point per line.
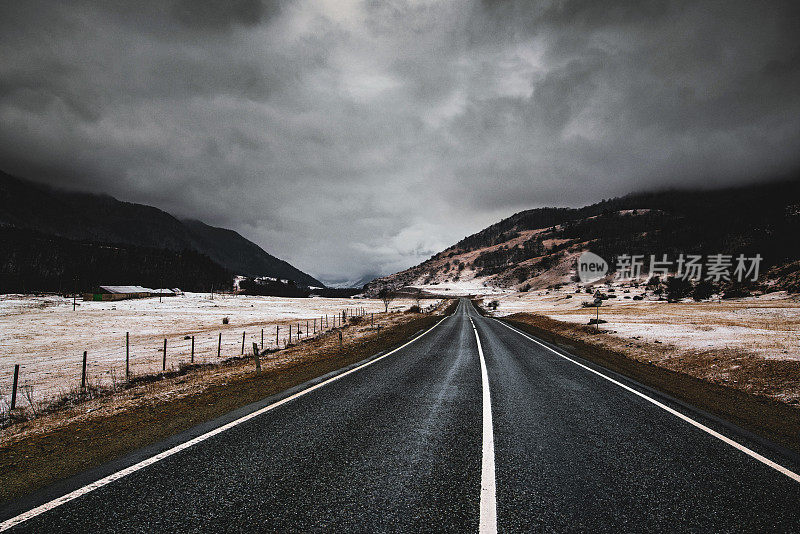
107 293
110 293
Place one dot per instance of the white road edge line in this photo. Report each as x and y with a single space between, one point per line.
736 445
488 517
33 512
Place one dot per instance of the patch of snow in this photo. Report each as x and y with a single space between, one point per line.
47 338
767 325
462 288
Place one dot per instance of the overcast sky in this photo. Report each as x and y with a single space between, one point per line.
358 137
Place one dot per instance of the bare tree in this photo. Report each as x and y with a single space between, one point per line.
387 295
418 297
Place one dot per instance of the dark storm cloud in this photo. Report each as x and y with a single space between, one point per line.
355 137
222 14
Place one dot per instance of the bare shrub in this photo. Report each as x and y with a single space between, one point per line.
27 392
114 382
4 409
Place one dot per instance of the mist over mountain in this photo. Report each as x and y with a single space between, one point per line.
352 282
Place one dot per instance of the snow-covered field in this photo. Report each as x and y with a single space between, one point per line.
47 338
462 288
767 325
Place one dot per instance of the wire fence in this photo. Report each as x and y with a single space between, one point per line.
143 355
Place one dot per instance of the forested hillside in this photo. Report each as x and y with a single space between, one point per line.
50 235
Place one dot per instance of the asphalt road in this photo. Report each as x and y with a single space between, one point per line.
400 445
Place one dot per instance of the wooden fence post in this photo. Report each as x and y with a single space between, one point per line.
255 355
83 373
340 340
164 361
243 334
277 336
219 345
127 355
262 338
192 360
14 387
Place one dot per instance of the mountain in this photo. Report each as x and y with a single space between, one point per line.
538 248
241 256
100 222
353 283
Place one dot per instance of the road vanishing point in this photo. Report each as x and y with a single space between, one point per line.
470 426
